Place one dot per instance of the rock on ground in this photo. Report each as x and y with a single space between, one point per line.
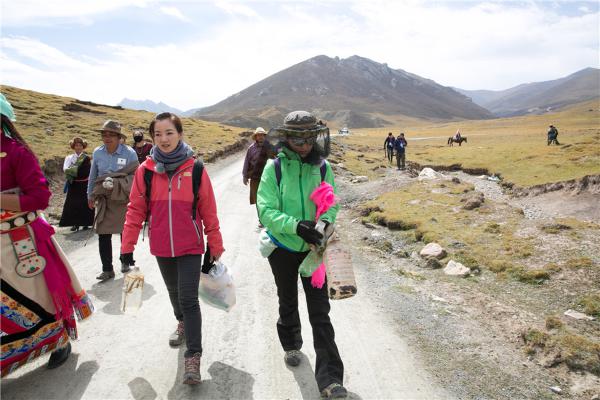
433 250
456 269
429 174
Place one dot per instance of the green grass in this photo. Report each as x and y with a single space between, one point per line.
591 305
36 112
433 214
514 147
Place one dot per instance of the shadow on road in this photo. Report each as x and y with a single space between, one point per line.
226 382
112 291
141 389
305 376
73 388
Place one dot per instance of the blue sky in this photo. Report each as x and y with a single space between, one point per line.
196 53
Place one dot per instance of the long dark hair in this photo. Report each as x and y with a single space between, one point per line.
166 115
14 133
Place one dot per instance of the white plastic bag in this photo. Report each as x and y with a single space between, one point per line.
133 285
216 288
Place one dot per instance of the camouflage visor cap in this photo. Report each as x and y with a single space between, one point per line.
300 124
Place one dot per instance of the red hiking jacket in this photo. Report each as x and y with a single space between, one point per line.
171 229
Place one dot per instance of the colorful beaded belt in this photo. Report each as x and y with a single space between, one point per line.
12 221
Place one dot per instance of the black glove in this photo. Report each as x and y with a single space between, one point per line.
207 263
306 230
127 258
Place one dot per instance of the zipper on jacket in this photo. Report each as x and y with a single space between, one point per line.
179 183
196 229
301 192
171 212
171 222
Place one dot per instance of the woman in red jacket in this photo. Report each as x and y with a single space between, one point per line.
176 238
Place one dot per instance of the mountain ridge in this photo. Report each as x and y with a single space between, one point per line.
351 89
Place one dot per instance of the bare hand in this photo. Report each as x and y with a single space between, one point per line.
215 257
91 204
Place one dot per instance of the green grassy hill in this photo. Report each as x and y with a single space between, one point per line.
48 122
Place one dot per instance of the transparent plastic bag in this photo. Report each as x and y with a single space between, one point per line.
133 286
216 287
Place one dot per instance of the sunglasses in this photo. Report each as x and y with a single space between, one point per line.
298 141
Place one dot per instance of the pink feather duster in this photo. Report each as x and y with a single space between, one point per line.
324 198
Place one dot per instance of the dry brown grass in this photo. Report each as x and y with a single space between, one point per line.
47 125
513 147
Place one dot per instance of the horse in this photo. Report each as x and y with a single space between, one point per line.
452 140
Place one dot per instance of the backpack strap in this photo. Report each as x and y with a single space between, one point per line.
196 179
277 163
148 173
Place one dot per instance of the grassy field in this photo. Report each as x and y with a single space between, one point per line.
48 122
513 147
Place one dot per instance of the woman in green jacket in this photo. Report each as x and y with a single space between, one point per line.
289 217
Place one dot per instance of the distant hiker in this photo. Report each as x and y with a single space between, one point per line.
388 146
76 212
40 295
289 217
552 135
142 148
256 158
111 175
178 202
400 147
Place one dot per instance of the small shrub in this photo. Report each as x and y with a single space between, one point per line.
397 224
581 262
534 339
492 227
552 267
580 353
591 305
466 260
498 266
555 228
553 322
533 276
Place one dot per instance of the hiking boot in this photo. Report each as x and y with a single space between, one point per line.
191 376
59 356
105 275
125 268
292 357
74 228
177 337
334 391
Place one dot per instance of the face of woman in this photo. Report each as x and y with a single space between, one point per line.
166 136
78 147
302 146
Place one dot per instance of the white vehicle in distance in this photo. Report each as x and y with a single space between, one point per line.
344 131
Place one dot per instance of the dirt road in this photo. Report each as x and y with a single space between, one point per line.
125 356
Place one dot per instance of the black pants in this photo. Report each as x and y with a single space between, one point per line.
400 159
105 247
389 151
182 277
329 367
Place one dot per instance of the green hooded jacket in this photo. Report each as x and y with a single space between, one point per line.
281 207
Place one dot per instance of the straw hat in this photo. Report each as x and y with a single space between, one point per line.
258 131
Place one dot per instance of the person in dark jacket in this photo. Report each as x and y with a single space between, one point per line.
142 147
388 146
289 217
256 159
400 147
552 135
76 212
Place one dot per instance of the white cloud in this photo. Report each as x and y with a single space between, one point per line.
35 12
235 8
475 46
174 12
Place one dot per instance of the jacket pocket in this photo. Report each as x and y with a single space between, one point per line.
197 230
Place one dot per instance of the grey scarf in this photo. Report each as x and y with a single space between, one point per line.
171 161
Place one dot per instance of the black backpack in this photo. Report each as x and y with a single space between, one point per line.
196 179
277 163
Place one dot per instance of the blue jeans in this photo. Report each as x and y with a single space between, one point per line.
182 277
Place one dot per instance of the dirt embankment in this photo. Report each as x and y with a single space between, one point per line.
588 183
